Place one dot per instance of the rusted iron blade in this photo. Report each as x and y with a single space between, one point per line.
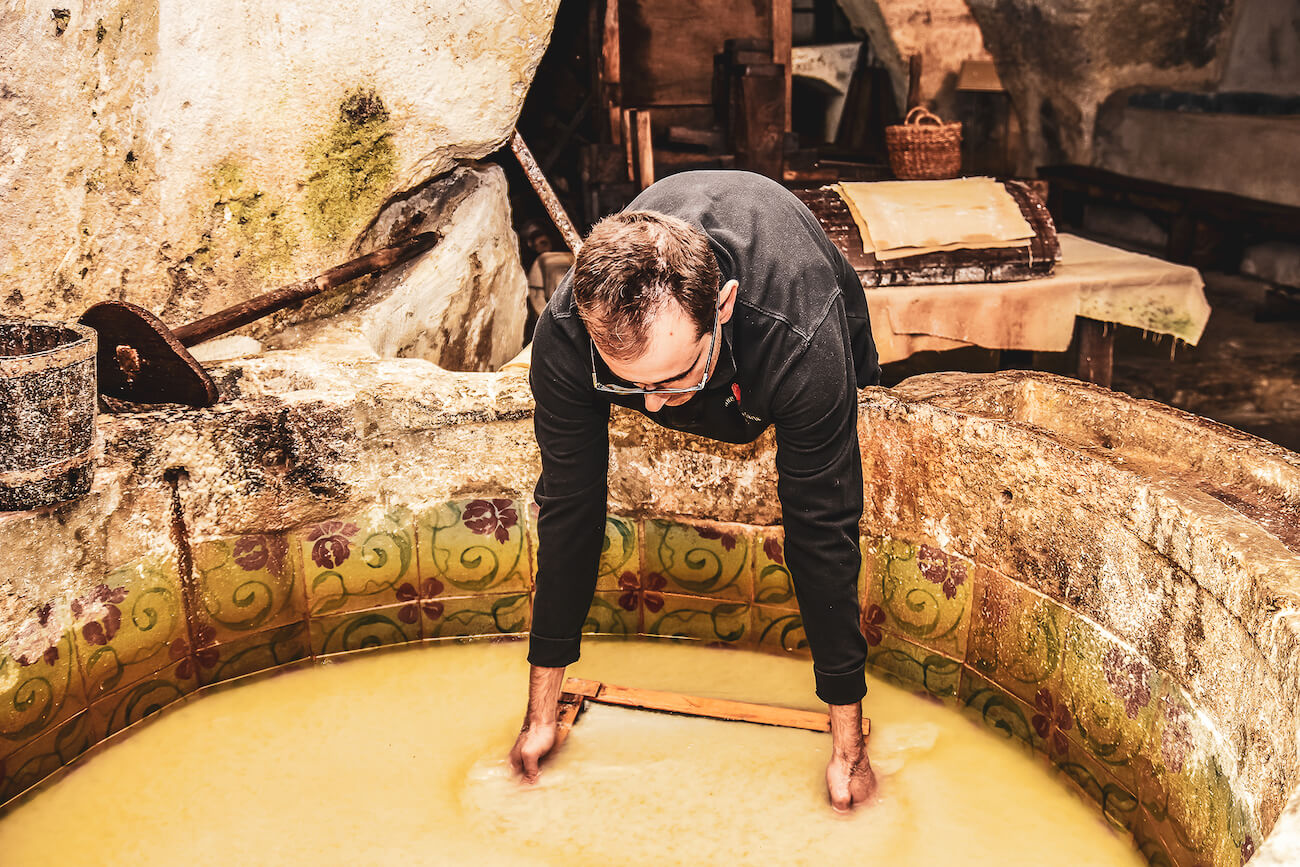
142 361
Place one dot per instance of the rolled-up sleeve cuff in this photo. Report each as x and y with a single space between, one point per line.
845 688
552 652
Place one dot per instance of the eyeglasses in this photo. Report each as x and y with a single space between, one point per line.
624 389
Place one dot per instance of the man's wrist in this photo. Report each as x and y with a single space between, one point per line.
544 687
847 742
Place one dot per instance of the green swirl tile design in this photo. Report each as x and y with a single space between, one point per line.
1111 693
996 709
924 592
362 630
124 628
619 553
474 546
499 614
358 562
700 559
249 583
772 582
1017 637
258 651
1116 802
40 684
114 712
700 618
909 665
779 629
608 616
44 755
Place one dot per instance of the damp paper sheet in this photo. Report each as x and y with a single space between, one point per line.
909 218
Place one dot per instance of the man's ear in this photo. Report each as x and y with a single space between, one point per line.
727 300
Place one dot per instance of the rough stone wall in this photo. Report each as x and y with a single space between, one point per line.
1061 61
943 32
185 156
461 305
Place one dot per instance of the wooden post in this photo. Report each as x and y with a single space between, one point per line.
1095 346
782 48
626 133
755 131
913 82
645 155
611 71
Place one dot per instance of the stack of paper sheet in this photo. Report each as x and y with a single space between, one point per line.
909 218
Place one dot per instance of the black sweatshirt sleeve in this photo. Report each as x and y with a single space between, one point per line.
819 483
572 429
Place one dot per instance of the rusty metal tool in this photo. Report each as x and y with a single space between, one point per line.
141 360
543 189
578 691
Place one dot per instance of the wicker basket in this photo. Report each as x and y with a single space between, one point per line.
918 151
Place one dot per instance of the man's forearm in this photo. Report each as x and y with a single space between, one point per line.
847 741
544 687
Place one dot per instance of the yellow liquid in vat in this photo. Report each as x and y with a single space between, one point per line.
399 758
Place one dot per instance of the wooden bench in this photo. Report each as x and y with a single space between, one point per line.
1205 228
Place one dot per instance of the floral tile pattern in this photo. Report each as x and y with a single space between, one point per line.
698 617
114 712
40 680
42 756
700 559
356 563
619 553
609 614
363 630
1110 691
496 614
474 546
779 629
772 583
1187 791
123 627
924 592
910 666
1017 637
251 583
257 651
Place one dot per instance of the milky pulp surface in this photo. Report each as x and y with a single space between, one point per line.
399 758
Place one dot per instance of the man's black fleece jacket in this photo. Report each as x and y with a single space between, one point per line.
798 346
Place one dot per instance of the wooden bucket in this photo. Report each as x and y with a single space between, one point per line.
48 400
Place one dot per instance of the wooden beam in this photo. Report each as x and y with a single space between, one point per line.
611 69
783 45
645 155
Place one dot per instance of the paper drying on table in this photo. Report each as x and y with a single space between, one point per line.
1093 280
909 218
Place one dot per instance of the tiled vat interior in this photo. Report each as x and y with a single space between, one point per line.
1038 657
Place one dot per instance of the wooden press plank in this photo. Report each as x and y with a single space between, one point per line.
714 708
571 707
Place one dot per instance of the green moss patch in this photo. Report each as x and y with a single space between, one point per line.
349 170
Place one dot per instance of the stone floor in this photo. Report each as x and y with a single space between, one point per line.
1243 373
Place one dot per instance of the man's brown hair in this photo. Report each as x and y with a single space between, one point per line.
631 264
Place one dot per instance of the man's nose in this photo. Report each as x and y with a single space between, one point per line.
655 402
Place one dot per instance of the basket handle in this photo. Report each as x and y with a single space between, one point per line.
926 114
